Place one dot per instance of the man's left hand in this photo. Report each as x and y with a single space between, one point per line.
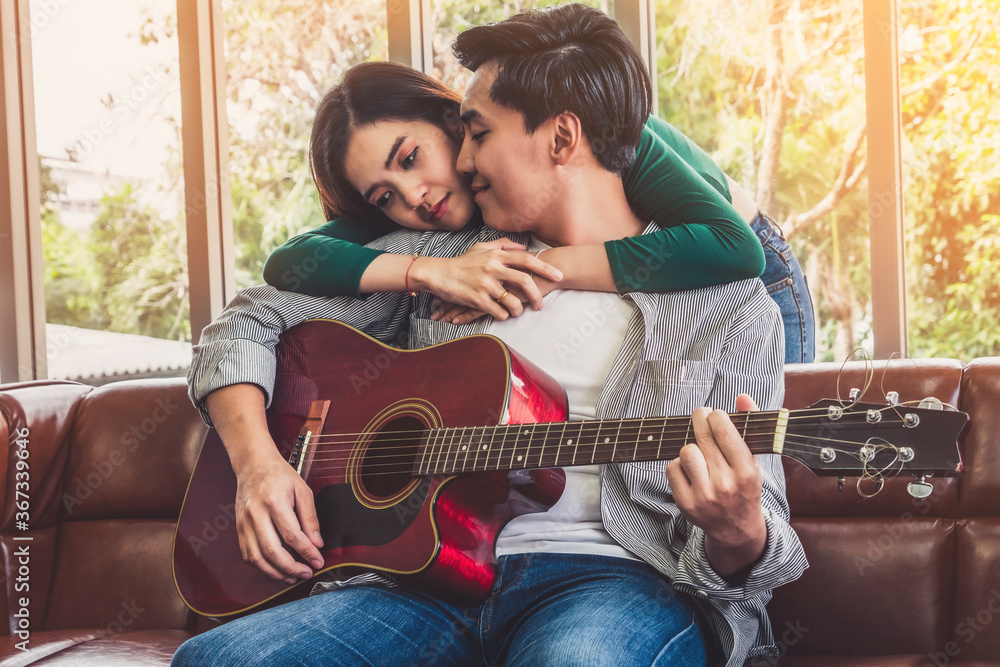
716 482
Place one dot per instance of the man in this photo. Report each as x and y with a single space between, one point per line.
643 563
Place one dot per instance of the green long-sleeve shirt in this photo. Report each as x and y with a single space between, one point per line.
704 241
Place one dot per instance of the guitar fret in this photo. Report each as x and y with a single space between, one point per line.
618 435
545 441
422 464
576 445
437 460
474 443
513 448
597 440
493 449
564 445
464 448
450 458
663 434
427 466
635 451
522 457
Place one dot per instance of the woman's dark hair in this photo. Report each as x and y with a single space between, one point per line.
568 58
370 93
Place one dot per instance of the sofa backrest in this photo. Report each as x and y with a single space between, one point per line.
892 574
107 471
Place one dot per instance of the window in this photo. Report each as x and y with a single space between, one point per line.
280 58
107 113
453 16
949 66
776 94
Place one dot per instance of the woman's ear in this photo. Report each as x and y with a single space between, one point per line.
567 137
453 123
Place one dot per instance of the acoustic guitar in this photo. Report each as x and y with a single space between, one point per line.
418 459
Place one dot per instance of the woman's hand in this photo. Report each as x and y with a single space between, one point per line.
445 311
491 278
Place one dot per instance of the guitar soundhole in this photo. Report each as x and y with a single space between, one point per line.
388 463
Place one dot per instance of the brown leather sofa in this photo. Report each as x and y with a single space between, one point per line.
892 581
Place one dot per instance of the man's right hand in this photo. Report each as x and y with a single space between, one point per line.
274 503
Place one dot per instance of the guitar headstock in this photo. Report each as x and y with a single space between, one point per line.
865 439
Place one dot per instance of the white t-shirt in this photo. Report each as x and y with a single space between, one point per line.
575 339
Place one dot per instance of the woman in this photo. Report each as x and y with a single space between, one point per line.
708 243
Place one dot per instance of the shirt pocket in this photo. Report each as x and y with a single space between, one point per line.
425 332
670 387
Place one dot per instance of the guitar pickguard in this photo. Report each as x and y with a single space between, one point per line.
344 522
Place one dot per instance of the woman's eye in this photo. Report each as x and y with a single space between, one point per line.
383 200
478 136
408 161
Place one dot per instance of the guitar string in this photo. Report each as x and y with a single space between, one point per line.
408 471
418 449
371 460
759 416
505 430
626 439
756 416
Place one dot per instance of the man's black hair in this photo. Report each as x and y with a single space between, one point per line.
568 58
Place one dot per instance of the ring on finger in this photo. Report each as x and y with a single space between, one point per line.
500 298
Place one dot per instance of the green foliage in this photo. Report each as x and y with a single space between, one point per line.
718 65
281 58
126 273
717 70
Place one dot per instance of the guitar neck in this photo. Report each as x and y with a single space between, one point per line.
451 451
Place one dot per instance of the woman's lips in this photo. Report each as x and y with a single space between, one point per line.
440 209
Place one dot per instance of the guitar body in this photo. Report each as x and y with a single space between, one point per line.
436 533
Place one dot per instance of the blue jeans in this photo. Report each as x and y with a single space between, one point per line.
786 284
545 610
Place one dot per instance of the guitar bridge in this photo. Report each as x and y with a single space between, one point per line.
302 453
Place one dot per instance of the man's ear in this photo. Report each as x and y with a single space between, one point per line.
567 137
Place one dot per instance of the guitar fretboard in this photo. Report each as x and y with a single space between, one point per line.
450 451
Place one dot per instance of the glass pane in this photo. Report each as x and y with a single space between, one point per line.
776 95
453 16
281 56
107 108
949 66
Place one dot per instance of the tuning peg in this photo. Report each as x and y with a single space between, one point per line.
854 394
920 489
840 483
892 398
931 403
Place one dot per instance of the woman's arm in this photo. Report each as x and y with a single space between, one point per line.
328 261
703 241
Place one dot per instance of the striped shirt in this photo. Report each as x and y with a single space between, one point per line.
681 351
